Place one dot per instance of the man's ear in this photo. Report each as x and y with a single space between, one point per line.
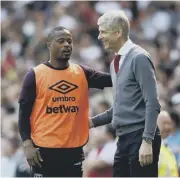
119 32
49 45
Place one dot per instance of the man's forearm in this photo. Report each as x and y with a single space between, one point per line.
97 79
103 118
24 120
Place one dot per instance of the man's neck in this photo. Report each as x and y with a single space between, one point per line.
59 63
121 43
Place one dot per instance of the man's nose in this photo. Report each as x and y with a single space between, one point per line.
66 44
99 37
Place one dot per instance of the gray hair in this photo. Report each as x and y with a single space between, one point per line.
115 20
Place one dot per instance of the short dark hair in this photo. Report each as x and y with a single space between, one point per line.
52 32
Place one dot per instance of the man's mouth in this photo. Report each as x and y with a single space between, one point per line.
67 51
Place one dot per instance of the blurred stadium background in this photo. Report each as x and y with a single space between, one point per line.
24 27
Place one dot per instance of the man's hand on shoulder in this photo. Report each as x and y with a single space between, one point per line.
91 125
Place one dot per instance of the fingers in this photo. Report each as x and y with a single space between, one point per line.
149 159
145 159
39 156
37 161
91 125
31 162
142 160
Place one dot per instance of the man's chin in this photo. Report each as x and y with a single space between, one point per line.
108 49
66 57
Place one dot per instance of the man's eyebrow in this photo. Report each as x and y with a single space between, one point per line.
62 38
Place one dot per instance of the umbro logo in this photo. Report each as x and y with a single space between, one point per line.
63 87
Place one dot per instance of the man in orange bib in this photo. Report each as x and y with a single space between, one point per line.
54 110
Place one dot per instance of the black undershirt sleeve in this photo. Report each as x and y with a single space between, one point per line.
26 102
97 79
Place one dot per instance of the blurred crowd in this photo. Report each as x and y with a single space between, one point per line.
24 28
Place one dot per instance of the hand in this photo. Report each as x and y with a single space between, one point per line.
145 153
91 125
32 154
